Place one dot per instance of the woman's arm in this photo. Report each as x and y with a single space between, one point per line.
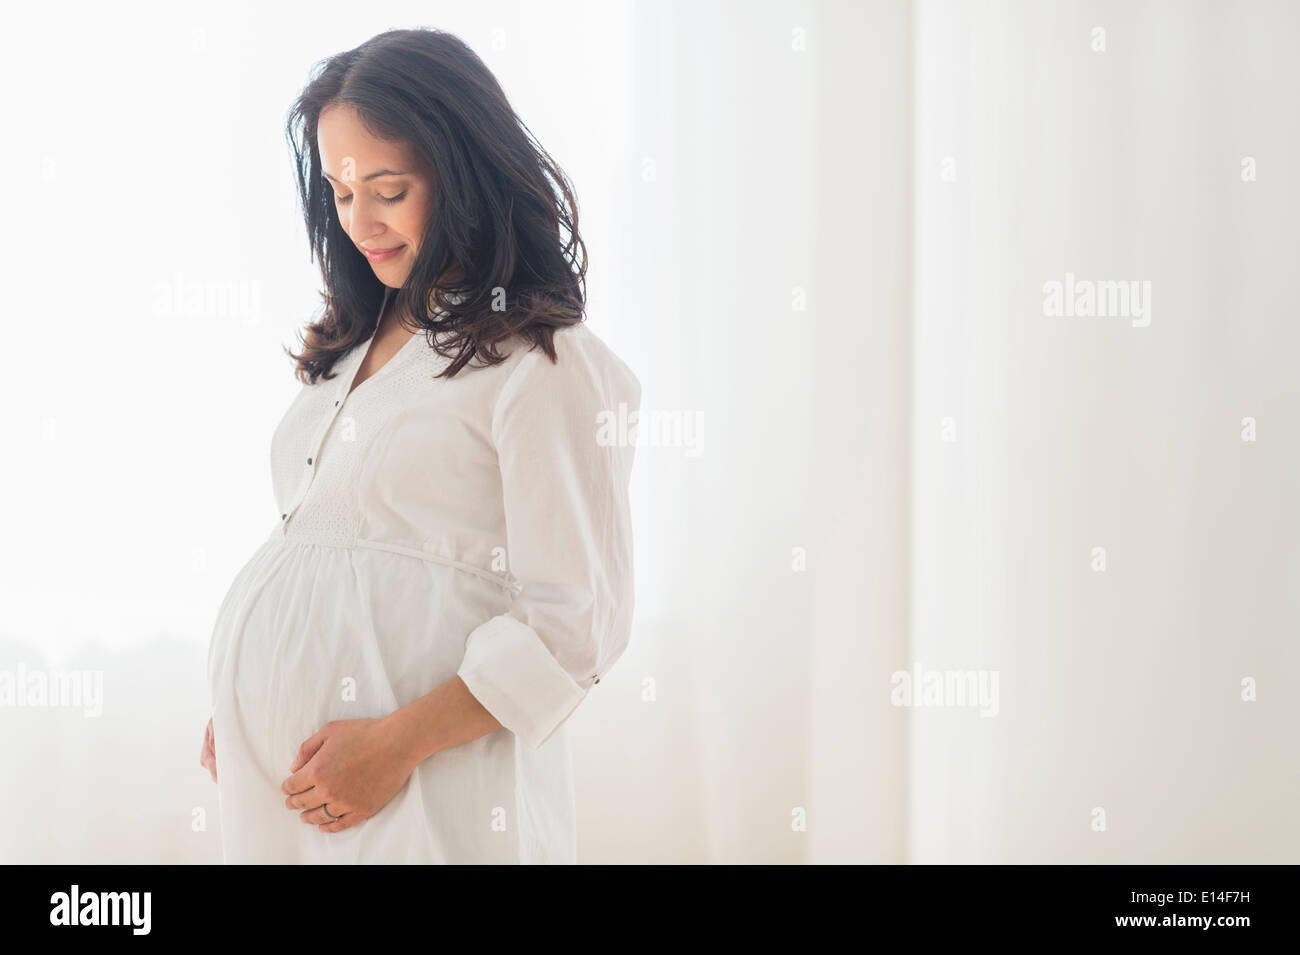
445 717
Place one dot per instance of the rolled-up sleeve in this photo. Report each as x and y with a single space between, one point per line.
563 445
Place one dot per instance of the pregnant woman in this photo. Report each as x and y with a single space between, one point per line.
451 570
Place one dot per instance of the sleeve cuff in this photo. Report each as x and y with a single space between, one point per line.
510 671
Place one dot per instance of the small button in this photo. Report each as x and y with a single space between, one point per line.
309 460
336 404
597 681
283 516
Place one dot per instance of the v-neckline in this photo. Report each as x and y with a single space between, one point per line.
364 347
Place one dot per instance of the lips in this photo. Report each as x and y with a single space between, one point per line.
379 255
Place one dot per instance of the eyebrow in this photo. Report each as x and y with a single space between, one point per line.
373 175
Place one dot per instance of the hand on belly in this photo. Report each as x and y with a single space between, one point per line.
351 768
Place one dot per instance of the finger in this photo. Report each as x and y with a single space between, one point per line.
298 780
307 799
307 750
344 822
316 815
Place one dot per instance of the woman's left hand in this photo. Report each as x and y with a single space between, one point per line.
352 766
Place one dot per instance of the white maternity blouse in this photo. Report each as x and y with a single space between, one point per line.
428 527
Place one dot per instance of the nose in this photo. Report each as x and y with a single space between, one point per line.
366 223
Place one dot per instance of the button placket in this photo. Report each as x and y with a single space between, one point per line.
312 460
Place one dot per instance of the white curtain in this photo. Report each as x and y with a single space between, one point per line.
1111 143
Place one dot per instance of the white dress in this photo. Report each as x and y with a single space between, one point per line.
477 525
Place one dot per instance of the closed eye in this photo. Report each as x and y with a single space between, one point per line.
391 200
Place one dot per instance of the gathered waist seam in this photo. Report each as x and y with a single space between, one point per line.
487 575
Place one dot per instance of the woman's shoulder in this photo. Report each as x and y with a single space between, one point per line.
579 349
584 363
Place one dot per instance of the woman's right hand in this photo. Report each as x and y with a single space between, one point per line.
208 755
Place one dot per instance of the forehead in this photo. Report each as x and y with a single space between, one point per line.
342 137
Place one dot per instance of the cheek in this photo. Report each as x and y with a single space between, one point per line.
411 225
415 213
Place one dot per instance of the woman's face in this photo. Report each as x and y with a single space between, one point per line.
382 192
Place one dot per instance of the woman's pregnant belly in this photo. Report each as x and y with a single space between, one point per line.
311 633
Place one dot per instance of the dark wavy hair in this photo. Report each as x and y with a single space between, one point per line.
496 223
